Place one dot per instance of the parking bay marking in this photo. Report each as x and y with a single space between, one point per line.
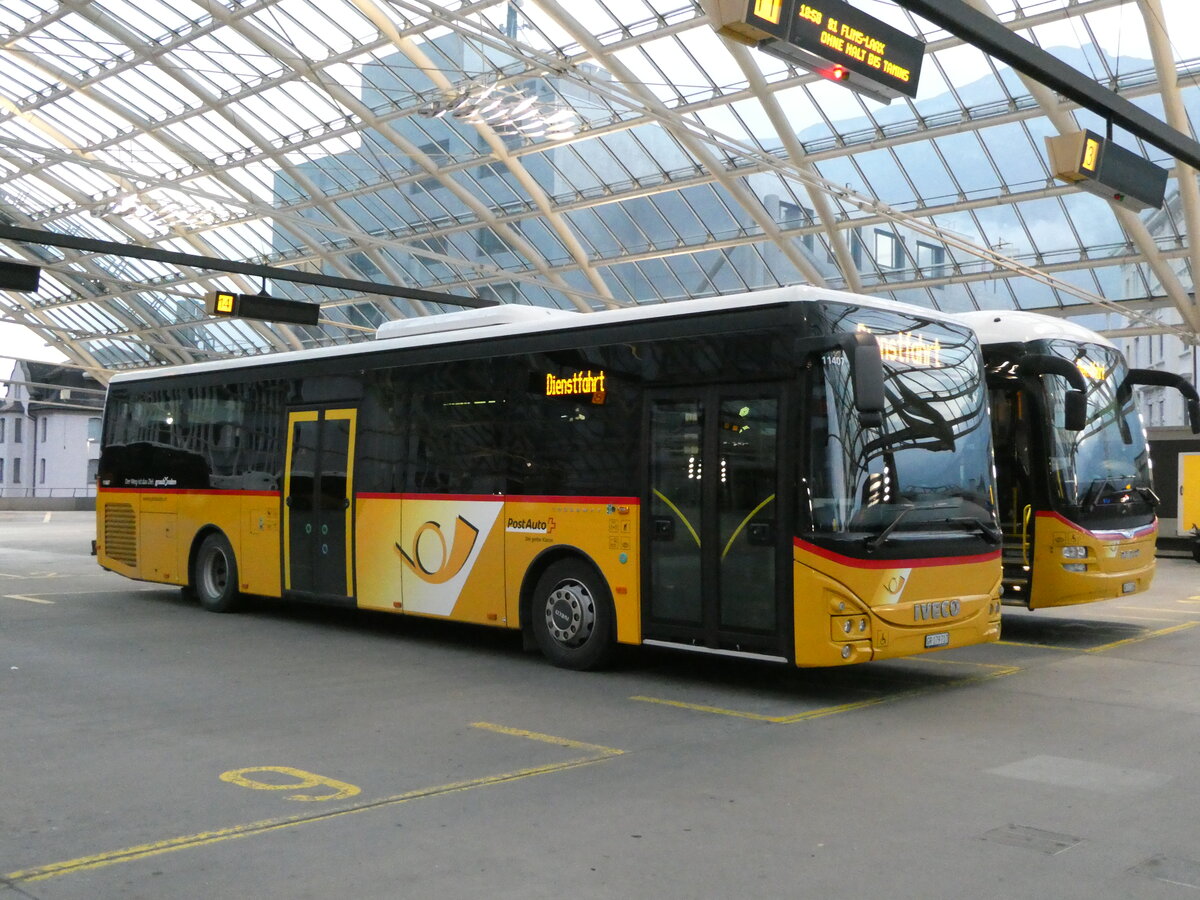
597 754
1109 646
820 713
28 599
999 672
1183 626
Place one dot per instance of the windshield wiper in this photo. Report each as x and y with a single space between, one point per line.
873 543
1103 487
1093 494
987 529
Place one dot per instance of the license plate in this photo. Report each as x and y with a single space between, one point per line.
941 639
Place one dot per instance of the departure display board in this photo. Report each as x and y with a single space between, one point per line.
843 36
838 32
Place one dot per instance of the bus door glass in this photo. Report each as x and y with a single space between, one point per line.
1014 432
712 534
318 487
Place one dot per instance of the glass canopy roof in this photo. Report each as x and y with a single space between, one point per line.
581 155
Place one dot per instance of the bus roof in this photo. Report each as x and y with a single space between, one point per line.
502 321
1019 327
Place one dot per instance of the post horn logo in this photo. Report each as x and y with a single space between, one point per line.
452 558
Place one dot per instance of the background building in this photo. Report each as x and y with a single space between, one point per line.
49 433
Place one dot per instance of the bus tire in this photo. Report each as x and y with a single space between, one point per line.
572 616
215 576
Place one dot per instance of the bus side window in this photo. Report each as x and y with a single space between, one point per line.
456 431
225 451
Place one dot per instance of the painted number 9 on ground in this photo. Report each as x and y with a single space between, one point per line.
242 778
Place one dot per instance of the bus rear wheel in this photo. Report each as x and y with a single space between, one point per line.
215 576
572 616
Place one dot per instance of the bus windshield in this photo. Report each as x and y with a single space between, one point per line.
928 468
1108 461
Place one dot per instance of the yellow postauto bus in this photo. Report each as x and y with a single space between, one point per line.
797 474
1072 464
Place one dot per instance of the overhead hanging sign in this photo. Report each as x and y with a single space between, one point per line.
831 38
261 306
1099 166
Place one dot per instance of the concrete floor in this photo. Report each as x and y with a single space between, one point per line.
149 749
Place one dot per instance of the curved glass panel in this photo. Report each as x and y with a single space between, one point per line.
927 470
1107 464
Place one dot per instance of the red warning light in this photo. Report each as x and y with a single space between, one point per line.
837 73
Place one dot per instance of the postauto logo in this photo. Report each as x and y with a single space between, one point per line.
431 558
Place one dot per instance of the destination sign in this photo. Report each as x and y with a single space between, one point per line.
843 35
910 348
575 385
831 38
1093 371
907 347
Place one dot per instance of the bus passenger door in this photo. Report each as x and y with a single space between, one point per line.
713 532
318 511
1018 485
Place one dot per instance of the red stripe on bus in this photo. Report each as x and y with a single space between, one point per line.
504 498
206 491
1140 531
894 563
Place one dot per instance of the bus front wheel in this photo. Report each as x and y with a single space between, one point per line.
572 616
215 576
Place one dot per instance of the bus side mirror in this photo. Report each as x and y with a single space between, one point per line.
1075 399
866 368
1075 410
1164 379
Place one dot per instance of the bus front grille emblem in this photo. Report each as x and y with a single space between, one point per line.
946 609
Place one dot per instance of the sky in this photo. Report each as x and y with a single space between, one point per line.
18 342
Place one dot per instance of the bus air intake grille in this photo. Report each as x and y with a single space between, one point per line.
120 533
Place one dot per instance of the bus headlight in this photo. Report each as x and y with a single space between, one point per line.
1075 567
850 628
1074 552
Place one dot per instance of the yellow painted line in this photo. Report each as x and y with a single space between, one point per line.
547 738
696 707
42 594
842 708
1178 612
822 712
266 826
1028 644
1142 619
1144 637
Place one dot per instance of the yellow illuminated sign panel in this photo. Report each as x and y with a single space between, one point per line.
768 10
225 304
1093 370
575 385
908 347
1091 155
